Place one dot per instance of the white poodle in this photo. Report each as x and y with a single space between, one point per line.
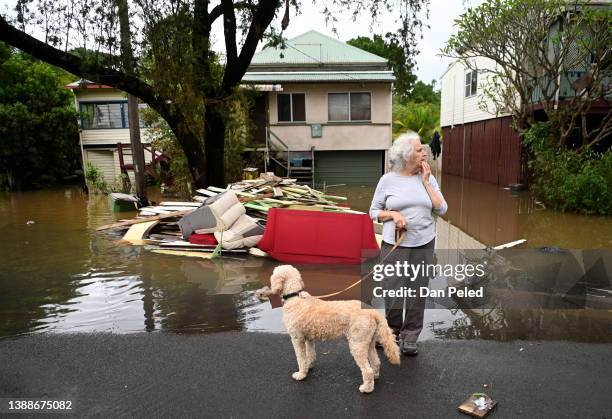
308 319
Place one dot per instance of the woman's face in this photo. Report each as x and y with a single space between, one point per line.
418 154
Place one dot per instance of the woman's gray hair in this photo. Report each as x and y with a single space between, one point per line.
401 150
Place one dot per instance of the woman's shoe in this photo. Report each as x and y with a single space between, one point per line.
409 348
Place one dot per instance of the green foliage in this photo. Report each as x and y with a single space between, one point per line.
94 178
38 123
398 61
176 71
239 130
422 118
163 139
569 180
425 93
551 53
96 183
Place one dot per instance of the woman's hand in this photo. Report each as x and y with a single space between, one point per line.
425 172
398 219
396 216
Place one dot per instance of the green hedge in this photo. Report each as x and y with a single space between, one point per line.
569 180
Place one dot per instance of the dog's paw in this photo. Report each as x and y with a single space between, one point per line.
366 388
263 293
299 376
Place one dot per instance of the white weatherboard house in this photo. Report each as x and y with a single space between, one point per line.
324 109
104 125
477 143
483 146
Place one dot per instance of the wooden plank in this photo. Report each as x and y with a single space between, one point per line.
201 255
178 208
137 232
256 206
511 244
214 189
180 204
155 210
143 220
206 192
186 244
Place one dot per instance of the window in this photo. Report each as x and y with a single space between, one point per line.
106 115
471 83
102 115
354 106
291 107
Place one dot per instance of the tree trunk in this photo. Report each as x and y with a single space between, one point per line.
215 147
138 160
194 153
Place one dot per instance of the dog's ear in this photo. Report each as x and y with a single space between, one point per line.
278 278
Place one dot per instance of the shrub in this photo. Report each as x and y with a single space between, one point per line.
569 180
95 179
97 184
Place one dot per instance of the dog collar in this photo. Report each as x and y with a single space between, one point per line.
290 295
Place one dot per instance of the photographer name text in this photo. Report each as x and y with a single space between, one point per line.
403 292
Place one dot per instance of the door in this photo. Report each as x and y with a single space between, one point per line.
349 167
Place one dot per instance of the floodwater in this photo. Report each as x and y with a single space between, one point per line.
60 276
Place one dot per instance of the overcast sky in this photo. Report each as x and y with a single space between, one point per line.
430 66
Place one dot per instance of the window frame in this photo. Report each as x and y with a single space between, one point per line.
471 74
292 121
122 106
349 92
123 109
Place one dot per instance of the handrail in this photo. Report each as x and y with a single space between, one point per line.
312 165
269 135
277 138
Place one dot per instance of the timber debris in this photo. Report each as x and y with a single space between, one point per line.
219 220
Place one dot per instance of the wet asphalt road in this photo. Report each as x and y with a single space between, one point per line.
248 375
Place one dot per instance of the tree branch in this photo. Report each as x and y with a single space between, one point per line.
214 14
229 31
200 43
79 67
262 17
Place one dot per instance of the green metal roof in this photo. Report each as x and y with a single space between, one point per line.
313 47
318 76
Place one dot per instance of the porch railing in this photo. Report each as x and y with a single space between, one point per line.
275 144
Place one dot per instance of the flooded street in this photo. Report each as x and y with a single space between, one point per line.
59 275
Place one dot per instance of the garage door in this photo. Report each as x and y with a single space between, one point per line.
348 167
104 161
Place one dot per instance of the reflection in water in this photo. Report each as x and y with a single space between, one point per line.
494 216
59 275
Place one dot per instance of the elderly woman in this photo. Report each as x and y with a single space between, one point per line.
405 199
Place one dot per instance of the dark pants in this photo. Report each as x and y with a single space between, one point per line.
411 325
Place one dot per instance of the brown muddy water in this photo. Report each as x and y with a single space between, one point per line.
59 276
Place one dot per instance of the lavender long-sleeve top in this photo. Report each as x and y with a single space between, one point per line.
407 195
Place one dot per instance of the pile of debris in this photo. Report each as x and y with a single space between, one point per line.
219 220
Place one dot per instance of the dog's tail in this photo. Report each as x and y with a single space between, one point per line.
387 339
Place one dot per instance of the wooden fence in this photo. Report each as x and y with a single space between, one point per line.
487 151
